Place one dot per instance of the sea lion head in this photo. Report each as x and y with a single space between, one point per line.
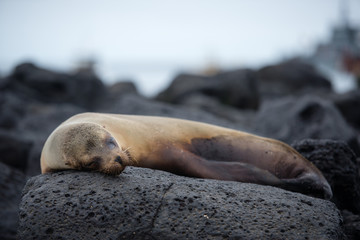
86 146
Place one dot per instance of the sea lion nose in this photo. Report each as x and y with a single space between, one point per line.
118 160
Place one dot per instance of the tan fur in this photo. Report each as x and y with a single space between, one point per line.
179 146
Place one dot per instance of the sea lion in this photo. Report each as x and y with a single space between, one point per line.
109 142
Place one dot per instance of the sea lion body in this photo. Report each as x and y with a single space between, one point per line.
179 146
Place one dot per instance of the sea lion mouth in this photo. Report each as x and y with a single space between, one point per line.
113 171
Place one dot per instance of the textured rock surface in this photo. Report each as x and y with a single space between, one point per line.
290 77
348 104
12 182
14 150
351 225
290 119
82 88
149 204
12 109
236 88
338 164
33 101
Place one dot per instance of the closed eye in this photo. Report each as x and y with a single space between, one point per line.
94 163
111 143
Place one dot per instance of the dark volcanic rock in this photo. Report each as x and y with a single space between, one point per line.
349 106
12 109
12 182
184 85
83 88
351 225
243 117
150 204
238 88
338 164
121 88
14 150
235 88
290 119
290 77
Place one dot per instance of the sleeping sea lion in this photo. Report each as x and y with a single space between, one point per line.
109 142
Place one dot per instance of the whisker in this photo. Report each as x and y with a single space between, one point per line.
131 159
127 149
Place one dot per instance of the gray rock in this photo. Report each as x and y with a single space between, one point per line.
236 88
290 119
83 88
349 105
243 117
12 182
294 76
351 225
185 84
151 204
122 87
338 164
14 150
12 109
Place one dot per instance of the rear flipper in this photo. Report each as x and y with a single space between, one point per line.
309 184
188 164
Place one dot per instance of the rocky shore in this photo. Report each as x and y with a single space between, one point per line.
289 101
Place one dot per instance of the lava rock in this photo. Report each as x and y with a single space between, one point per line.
149 204
12 182
12 109
83 88
349 106
235 88
123 87
186 84
14 150
338 164
290 77
351 225
290 119
238 88
243 117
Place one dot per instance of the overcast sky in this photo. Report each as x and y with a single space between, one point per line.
135 38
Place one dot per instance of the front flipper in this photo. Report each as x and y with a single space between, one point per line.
241 172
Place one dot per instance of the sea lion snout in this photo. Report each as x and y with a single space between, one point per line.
119 160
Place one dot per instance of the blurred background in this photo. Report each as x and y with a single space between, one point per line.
284 69
149 42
